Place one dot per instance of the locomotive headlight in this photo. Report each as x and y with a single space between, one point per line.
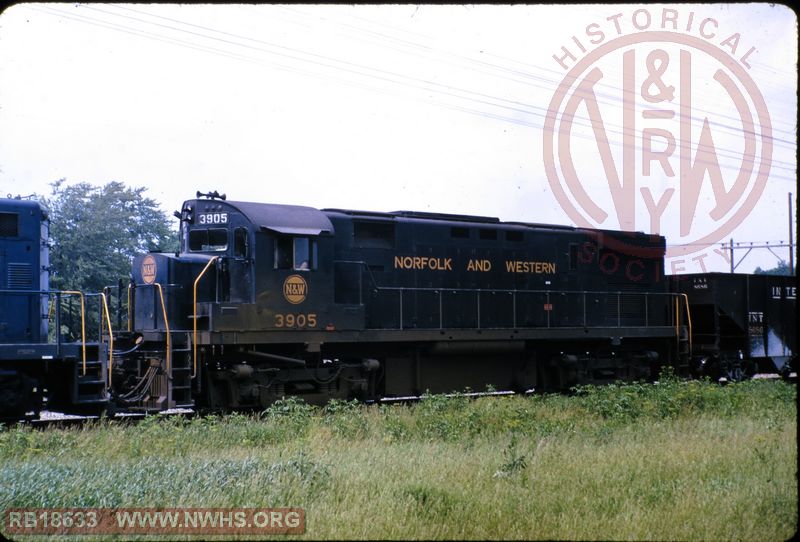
187 214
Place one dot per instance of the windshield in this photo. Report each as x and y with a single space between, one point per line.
211 240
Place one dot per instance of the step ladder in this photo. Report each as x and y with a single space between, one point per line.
181 388
165 390
89 391
684 353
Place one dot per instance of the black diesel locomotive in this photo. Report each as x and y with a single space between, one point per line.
264 301
271 300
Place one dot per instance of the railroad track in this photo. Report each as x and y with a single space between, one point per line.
49 419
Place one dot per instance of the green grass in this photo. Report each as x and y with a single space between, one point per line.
675 461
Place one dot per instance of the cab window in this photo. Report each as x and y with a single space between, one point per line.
299 253
211 240
240 243
9 224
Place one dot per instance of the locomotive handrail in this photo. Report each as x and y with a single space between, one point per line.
83 323
160 289
688 320
29 292
440 291
130 325
50 310
57 303
673 317
508 291
166 325
110 336
365 265
194 315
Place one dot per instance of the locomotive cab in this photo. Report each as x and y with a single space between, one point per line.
218 230
258 266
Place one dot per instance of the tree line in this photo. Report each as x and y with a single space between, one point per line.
95 231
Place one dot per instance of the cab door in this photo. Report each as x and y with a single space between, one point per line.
240 267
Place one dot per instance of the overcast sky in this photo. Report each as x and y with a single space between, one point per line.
430 108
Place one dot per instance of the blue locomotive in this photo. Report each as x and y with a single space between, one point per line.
39 366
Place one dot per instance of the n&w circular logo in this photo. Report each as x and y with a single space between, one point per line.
658 126
295 289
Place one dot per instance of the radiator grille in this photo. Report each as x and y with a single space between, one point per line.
20 276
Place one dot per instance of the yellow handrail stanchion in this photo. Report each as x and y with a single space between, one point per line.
83 324
107 314
166 325
50 310
689 320
194 315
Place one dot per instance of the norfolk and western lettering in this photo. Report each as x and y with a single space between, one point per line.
432 263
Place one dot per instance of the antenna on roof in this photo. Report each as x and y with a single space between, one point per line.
211 195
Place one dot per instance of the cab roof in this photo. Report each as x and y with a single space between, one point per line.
284 219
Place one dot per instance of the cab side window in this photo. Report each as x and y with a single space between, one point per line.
283 253
240 244
298 253
302 253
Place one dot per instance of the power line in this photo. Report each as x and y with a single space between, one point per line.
777 164
527 74
536 110
294 69
720 152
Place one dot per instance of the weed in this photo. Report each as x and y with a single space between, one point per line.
292 415
346 418
515 463
448 418
395 426
431 502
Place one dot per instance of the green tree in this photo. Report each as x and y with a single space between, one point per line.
95 231
781 269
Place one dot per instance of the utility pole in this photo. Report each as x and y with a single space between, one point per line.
791 241
732 266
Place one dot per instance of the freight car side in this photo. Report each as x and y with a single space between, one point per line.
742 324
